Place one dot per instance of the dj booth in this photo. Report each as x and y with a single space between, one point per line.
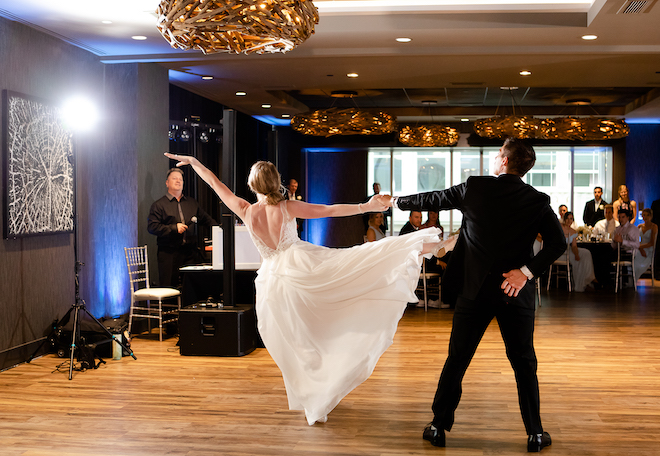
209 326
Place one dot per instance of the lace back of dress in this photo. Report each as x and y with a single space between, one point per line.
288 235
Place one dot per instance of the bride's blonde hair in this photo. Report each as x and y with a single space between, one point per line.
265 179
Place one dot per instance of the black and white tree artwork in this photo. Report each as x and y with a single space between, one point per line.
38 170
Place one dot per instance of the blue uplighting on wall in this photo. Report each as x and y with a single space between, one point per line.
320 191
111 295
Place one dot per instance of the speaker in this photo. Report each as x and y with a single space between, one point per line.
217 331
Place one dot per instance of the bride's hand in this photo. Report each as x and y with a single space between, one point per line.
182 159
376 203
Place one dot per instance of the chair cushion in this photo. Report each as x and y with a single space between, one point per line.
155 293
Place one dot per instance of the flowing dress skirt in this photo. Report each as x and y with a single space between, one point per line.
327 315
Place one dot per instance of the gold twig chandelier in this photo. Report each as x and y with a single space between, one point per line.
259 26
520 127
337 121
428 135
587 128
564 128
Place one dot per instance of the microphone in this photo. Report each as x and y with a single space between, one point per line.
193 220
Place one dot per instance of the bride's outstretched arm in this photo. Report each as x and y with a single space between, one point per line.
300 209
236 204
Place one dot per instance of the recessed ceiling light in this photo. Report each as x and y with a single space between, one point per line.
106 22
589 37
286 116
525 73
266 106
465 119
240 93
404 40
207 77
352 75
139 37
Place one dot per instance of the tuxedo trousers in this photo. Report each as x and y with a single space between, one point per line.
471 318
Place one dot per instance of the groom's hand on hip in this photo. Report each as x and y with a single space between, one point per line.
514 281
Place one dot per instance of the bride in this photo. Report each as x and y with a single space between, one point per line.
325 315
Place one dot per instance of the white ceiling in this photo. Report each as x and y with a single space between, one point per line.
460 55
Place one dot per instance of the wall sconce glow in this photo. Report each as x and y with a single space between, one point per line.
266 106
352 75
207 78
525 73
241 93
285 116
404 40
79 114
589 37
139 37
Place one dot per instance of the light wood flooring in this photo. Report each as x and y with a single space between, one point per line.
599 371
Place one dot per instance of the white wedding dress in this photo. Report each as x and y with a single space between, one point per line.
327 315
583 270
643 263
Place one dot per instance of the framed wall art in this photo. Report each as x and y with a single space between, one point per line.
38 190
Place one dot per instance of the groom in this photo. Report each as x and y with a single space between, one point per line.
491 271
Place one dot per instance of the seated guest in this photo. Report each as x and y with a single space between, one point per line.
608 224
626 233
434 221
387 213
624 202
413 224
374 232
648 232
594 210
582 264
562 210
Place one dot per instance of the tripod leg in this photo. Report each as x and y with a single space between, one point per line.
75 336
112 336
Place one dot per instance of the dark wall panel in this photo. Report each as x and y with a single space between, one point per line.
643 163
36 273
336 177
113 165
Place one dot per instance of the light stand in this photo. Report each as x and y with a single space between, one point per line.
79 305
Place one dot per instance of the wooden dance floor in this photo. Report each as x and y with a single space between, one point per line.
599 373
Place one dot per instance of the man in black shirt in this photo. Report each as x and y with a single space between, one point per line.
173 219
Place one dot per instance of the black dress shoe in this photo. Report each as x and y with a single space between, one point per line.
435 435
536 442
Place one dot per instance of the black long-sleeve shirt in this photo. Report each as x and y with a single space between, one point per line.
164 215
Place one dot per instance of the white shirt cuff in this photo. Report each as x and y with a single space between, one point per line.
525 270
395 202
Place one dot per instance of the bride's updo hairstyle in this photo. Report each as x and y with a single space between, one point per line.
265 179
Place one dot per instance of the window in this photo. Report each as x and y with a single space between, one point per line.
567 174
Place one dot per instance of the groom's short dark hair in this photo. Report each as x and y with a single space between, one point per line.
521 156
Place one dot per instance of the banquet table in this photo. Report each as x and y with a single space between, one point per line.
602 255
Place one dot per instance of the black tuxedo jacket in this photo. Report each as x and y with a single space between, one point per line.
591 215
407 228
501 219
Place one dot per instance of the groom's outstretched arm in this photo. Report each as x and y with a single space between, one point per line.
450 198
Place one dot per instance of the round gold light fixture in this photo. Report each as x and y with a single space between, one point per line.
588 128
434 135
336 121
259 26
563 128
520 127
